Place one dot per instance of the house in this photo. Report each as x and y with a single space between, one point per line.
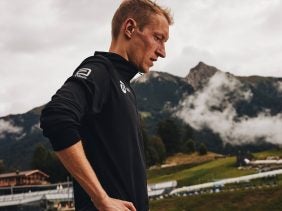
18 178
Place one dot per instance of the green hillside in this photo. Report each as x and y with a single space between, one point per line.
206 172
250 200
265 154
158 95
263 196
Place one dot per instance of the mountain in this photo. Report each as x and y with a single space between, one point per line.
157 90
266 91
19 135
159 96
200 75
244 112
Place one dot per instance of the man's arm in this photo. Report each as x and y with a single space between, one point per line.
75 161
60 121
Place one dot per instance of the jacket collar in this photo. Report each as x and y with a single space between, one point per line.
126 69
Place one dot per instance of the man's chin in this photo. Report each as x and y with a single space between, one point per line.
145 70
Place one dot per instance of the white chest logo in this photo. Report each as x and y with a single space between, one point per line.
122 86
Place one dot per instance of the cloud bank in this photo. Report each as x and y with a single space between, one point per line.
279 86
213 108
7 127
42 42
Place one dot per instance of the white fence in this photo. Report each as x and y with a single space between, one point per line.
225 181
23 198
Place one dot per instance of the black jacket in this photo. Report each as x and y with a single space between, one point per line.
98 106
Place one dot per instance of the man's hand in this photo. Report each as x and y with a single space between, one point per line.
111 204
75 161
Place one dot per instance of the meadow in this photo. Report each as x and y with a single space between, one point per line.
256 195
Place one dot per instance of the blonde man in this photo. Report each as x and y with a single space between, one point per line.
92 121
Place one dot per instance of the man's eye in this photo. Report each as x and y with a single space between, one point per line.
157 38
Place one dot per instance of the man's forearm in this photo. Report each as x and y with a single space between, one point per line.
76 163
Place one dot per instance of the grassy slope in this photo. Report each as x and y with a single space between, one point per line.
210 171
265 154
270 199
266 199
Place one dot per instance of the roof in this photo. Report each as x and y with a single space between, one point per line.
23 173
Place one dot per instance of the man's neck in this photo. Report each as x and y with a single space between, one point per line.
119 49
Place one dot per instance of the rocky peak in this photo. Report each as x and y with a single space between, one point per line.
200 74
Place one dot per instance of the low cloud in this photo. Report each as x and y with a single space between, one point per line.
48 39
279 86
6 127
213 108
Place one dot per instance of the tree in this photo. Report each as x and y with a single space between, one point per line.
202 149
2 166
187 133
188 146
39 158
159 147
170 135
48 162
147 147
229 149
154 149
152 156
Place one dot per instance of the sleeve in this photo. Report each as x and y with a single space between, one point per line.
86 91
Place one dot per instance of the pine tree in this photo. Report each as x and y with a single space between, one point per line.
188 146
159 147
170 135
2 166
48 162
202 149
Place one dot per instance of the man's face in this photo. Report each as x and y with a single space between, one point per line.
149 43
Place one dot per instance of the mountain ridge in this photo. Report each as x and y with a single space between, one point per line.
158 95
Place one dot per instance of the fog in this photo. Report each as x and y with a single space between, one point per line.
213 107
8 127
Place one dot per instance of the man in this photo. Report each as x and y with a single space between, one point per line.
92 121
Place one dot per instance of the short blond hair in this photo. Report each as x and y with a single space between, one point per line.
140 11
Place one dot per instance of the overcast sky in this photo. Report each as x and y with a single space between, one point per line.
43 41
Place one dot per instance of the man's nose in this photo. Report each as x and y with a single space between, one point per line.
161 51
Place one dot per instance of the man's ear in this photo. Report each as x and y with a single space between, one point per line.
129 27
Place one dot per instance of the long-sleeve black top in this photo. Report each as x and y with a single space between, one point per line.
98 106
